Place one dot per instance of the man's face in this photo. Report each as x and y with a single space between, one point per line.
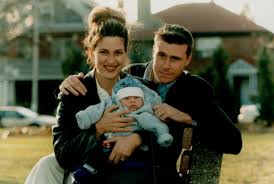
169 61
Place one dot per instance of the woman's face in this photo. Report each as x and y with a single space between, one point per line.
109 57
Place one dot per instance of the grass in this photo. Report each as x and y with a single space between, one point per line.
254 165
19 154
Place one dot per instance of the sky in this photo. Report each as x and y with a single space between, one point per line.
261 11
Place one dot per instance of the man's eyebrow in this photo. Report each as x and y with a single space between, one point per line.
176 57
119 49
161 52
103 49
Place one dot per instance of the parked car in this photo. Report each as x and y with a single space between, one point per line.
13 116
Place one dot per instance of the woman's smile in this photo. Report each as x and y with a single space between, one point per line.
110 68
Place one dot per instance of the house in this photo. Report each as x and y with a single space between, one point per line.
61 24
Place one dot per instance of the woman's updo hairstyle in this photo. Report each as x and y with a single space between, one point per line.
102 22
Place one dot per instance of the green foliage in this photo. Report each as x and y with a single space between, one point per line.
215 73
140 52
13 17
266 91
74 61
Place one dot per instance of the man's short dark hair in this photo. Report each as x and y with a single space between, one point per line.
177 34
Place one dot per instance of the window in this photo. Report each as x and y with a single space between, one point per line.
11 114
46 10
205 46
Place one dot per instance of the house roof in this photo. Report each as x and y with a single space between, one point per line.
208 18
204 19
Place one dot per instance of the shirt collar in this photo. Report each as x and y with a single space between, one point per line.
148 75
148 72
162 89
102 93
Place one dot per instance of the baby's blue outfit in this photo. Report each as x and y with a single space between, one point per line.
145 119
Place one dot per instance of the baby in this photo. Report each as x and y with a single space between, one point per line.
128 93
132 94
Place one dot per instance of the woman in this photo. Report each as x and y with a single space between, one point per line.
106 50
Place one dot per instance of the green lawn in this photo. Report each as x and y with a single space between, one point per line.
19 154
254 165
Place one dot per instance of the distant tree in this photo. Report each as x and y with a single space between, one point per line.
266 88
15 18
215 73
139 52
74 61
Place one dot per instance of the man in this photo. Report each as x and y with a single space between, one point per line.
189 106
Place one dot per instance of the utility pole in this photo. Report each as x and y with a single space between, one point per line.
35 57
120 4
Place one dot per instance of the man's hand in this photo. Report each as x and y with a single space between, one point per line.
113 121
73 85
124 146
165 112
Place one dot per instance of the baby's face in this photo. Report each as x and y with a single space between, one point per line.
132 102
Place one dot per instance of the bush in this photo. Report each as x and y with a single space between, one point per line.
74 61
216 73
266 92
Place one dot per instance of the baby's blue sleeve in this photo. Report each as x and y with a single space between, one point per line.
91 115
151 123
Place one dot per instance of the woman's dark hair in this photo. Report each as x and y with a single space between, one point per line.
102 22
173 33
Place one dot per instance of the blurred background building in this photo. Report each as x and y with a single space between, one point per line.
62 27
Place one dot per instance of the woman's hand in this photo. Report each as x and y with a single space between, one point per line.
73 85
124 146
165 112
113 121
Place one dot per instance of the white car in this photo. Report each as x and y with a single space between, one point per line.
13 116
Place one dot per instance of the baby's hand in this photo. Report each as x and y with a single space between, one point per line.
113 122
